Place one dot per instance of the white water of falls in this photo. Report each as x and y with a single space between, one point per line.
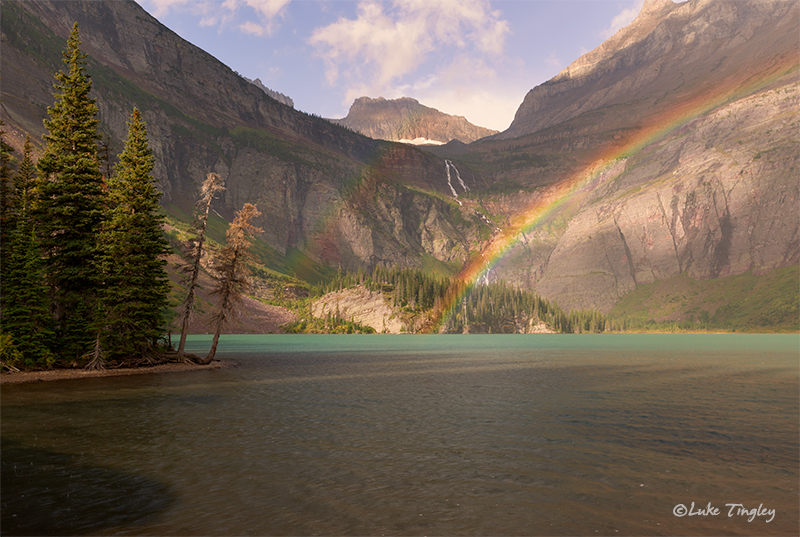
458 175
447 165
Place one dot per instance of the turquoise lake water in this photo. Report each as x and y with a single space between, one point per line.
418 435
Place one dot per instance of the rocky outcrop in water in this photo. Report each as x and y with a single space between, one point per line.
368 308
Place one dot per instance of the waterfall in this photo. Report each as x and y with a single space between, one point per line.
458 176
450 184
447 165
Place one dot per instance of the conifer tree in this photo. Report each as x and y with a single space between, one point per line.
6 188
133 250
26 315
70 208
212 186
230 265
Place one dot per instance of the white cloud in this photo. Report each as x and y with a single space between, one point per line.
622 19
261 17
491 105
467 86
553 61
269 9
250 27
159 8
386 42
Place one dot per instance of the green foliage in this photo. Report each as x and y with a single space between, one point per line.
26 312
84 265
743 302
9 353
496 308
70 203
487 308
330 324
269 144
6 187
31 36
133 247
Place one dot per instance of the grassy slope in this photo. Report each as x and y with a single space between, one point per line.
767 302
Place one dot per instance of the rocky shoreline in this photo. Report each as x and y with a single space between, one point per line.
23 377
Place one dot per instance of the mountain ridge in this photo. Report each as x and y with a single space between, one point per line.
295 166
405 119
709 194
696 40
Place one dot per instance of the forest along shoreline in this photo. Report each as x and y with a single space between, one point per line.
23 377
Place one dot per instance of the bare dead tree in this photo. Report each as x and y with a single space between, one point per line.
230 266
96 362
212 186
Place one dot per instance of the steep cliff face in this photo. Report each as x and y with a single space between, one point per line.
716 197
407 120
669 53
365 307
711 195
201 116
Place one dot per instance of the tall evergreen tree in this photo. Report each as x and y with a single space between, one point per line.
23 196
133 250
6 188
70 205
26 315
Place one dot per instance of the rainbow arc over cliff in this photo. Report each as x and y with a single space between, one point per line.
657 126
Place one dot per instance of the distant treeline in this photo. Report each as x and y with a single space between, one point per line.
447 305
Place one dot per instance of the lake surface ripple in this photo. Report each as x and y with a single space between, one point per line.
413 435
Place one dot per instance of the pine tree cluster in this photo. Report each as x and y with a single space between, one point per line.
83 255
494 308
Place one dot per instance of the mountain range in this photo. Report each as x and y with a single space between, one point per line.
669 152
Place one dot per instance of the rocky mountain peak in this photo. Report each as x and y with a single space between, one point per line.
652 13
405 119
280 97
668 50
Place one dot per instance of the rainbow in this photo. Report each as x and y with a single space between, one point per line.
556 196
587 178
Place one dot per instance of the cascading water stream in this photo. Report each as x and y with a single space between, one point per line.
447 165
458 176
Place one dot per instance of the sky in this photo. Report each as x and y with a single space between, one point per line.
472 58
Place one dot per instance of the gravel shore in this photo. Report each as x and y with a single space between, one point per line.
63 374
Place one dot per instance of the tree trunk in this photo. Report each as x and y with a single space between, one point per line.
213 350
211 186
97 356
189 303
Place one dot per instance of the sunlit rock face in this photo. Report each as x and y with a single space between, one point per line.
406 120
668 52
336 195
714 195
717 197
